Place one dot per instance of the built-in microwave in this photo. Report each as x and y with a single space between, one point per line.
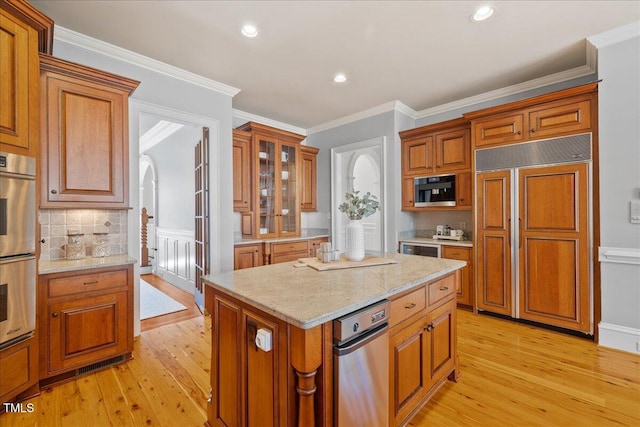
435 191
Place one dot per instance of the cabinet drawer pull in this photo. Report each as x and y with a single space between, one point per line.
444 288
91 283
410 306
533 130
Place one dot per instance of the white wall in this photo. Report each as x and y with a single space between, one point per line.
380 125
174 160
619 139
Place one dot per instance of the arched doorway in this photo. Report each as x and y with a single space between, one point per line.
359 166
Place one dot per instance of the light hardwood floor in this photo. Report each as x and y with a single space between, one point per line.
512 375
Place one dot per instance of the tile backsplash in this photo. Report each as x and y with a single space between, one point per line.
55 224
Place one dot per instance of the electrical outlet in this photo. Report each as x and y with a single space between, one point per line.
463 225
638 346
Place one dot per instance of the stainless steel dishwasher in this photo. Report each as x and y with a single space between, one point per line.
361 367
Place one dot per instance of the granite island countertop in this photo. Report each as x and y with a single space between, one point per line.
306 298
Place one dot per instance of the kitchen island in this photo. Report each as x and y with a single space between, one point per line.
292 383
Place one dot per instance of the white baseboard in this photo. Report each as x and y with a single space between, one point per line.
619 337
146 270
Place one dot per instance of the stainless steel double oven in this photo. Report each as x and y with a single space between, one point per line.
17 248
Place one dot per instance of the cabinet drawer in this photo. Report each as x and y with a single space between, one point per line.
280 248
86 283
407 305
441 289
452 252
292 256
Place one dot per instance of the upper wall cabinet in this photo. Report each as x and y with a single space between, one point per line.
241 171
309 185
21 30
556 114
276 178
436 149
85 136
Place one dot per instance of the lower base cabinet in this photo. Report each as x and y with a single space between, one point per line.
423 351
464 294
247 256
85 318
18 369
265 253
244 372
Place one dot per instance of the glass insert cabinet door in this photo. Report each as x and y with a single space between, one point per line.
288 194
277 186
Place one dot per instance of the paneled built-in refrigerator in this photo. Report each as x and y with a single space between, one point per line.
534 231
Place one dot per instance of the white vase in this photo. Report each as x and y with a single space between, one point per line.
354 240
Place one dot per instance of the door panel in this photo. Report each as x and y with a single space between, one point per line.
494 250
553 246
549 203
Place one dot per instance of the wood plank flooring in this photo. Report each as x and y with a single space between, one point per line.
512 375
184 298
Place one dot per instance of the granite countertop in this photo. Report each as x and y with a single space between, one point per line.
306 298
304 235
465 243
62 265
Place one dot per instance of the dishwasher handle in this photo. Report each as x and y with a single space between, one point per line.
342 349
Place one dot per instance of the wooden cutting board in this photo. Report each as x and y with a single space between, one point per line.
369 261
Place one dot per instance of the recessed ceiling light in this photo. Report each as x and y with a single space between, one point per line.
482 14
340 78
249 31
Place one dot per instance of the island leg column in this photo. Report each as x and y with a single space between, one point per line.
306 358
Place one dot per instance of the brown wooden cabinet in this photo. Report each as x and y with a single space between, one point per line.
84 136
309 185
276 183
464 293
264 253
23 32
18 369
436 150
247 256
85 317
243 372
422 345
241 171
556 114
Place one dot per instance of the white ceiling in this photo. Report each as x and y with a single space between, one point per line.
422 53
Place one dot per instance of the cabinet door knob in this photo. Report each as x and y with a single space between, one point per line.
519 133
54 191
54 314
533 130
42 241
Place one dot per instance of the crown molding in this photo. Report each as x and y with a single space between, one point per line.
269 122
574 73
71 37
562 76
616 35
370 112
